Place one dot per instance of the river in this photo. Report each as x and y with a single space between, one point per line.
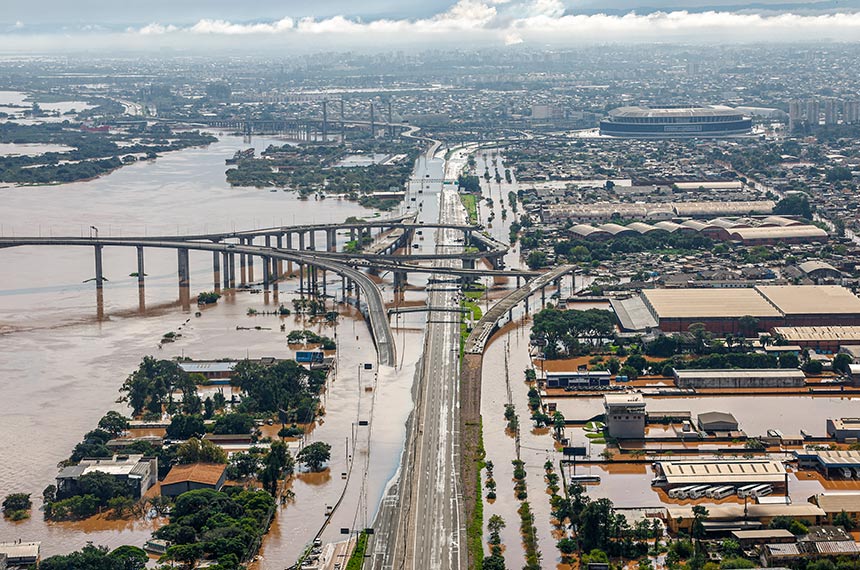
61 367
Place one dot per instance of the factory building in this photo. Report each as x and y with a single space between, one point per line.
577 379
843 429
738 378
824 338
625 415
772 307
720 472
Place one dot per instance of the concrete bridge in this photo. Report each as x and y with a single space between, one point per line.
225 255
483 330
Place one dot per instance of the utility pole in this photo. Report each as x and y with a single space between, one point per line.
325 121
342 123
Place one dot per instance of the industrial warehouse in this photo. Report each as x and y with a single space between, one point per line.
770 306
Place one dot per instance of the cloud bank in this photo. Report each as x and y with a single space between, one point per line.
545 21
472 23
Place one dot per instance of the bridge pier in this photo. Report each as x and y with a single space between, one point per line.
250 262
343 289
99 272
543 297
266 267
351 234
141 275
331 240
301 280
280 263
216 270
312 240
301 241
325 286
232 271
225 261
243 265
289 237
184 284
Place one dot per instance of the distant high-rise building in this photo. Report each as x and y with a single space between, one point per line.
851 112
547 112
830 112
813 112
794 116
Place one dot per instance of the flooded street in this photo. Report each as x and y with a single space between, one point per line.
60 367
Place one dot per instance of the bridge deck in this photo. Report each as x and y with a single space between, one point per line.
482 331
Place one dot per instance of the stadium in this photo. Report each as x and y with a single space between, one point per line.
662 122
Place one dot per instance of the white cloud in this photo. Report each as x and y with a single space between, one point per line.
227 28
18 25
512 39
510 22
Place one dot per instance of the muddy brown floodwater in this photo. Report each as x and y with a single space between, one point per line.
60 367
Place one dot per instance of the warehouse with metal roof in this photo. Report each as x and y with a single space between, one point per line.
722 472
740 378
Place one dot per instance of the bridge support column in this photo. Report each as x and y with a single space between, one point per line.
312 240
225 261
289 237
250 262
527 304
243 273
543 297
518 281
232 271
266 267
343 289
99 272
468 264
301 280
351 234
302 241
184 284
141 274
279 273
331 240
216 270
325 286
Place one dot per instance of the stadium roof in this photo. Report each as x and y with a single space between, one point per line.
693 303
811 299
654 112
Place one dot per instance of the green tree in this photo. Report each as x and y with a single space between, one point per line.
788 360
185 427
200 451
114 423
233 423
277 464
841 362
129 558
315 455
794 205
844 520
16 502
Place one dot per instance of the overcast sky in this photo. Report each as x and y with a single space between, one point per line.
302 25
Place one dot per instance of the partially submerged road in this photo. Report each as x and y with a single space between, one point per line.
421 522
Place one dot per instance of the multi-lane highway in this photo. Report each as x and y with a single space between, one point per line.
421 524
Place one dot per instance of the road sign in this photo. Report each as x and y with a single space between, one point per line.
576 451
